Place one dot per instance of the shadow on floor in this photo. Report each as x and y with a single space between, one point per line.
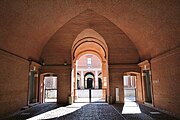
146 113
89 111
32 111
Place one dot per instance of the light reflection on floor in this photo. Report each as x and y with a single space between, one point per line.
130 106
61 111
92 100
50 100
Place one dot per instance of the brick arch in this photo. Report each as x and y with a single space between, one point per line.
86 43
135 72
94 49
48 73
117 41
88 40
95 45
89 73
153 26
89 33
89 52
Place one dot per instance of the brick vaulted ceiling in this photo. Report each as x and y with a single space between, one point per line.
146 27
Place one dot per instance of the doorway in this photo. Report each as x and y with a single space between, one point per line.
89 79
89 54
147 86
89 83
129 88
33 87
50 89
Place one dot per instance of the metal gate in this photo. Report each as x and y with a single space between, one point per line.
91 95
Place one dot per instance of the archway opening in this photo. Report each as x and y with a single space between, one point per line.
100 80
132 87
129 87
89 79
147 86
89 67
33 83
48 87
132 93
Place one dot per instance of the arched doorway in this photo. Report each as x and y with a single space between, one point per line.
132 87
48 88
100 80
129 87
132 92
89 80
88 46
147 86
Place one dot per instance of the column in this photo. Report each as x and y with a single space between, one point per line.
96 80
75 80
82 79
129 81
104 79
133 81
75 75
104 75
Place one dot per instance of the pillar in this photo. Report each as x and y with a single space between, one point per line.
105 79
96 80
133 81
82 79
129 81
75 80
104 75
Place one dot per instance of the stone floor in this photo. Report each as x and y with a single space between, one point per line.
93 111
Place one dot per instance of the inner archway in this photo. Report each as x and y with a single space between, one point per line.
89 67
89 82
48 87
89 79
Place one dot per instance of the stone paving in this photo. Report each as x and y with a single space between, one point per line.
94 112
147 113
87 111
32 111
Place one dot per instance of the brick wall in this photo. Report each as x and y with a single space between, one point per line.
13 83
166 81
139 89
82 62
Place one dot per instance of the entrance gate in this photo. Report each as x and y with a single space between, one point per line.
91 95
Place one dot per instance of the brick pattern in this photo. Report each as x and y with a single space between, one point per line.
47 29
120 47
139 89
95 61
165 78
13 83
151 25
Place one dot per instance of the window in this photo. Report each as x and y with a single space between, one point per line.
89 61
